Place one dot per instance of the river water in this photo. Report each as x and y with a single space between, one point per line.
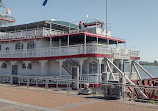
153 70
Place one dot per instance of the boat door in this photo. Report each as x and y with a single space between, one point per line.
15 72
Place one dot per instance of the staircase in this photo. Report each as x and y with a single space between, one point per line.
69 63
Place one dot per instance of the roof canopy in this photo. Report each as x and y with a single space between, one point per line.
58 25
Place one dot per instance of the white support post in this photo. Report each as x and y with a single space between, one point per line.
85 42
50 30
122 65
81 61
60 65
137 71
143 69
111 73
50 45
97 40
130 82
107 41
21 33
99 65
35 31
59 42
43 31
68 40
42 66
130 69
1 62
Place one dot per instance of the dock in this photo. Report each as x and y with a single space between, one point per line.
13 98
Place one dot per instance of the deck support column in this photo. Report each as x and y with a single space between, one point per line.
68 40
81 61
85 42
42 66
107 41
1 62
60 65
130 69
50 30
100 59
122 67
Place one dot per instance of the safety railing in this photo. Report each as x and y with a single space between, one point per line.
61 51
110 90
29 33
57 51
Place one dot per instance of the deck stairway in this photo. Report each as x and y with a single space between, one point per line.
69 63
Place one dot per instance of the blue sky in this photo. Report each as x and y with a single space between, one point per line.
136 21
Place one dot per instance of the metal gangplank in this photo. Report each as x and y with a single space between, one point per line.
125 78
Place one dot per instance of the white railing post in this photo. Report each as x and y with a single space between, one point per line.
35 31
43 31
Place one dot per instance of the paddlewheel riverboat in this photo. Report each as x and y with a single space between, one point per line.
53 48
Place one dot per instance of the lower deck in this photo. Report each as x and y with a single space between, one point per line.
90 69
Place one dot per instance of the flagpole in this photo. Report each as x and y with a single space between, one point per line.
106 17
44 13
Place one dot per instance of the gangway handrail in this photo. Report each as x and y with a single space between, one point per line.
143 69
138 89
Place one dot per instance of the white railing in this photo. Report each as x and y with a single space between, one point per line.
29 33
90 77
60 51
57 51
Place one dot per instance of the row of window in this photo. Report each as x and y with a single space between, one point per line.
30 45
4 65
93 67
19 45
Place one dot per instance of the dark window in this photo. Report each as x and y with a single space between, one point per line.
31 45
29 66
19 46
23 66
4 65
0 47
93 67
102 68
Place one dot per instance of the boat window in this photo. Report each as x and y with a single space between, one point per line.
29 66
19 46
23 66
31 45
93 67
4 65
0 47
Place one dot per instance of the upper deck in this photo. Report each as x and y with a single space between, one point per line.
77 42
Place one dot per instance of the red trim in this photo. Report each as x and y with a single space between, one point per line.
64 85
135 58
9 20
59 57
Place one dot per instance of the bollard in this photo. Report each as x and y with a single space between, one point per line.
67 86
57 85
93 90
11 81
36 82
46 83
27 82
19 81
